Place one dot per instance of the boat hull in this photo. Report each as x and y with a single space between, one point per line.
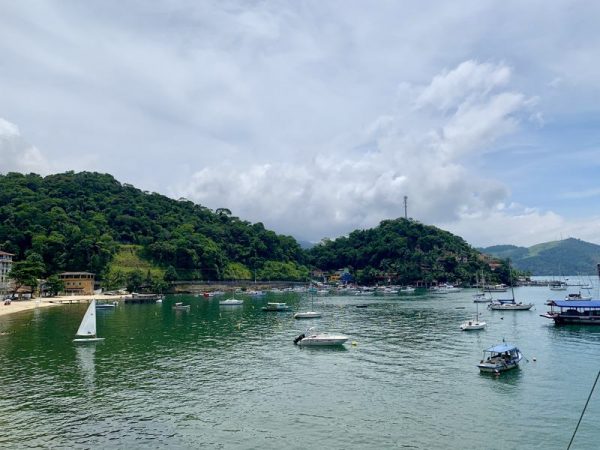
86 340
471 326
321 341
497 368
509 307
307 315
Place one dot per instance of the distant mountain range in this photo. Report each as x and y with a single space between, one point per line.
565 257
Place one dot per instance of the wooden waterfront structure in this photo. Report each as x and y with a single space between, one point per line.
78 283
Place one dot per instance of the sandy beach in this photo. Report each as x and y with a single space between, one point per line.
18 306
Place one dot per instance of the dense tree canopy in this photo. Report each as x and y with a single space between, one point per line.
81 221
76 221
402 251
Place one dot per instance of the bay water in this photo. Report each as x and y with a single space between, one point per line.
230 377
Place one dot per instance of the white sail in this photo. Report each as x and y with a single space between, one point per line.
88 324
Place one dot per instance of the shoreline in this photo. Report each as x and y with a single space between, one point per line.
18 306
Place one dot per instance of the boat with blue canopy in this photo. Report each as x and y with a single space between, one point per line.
500 358
585 312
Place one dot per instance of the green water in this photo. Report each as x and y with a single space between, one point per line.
218 377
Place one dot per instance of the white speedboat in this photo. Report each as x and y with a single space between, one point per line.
271 306
315 338
231 302
500 358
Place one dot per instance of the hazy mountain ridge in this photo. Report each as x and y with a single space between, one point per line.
565 257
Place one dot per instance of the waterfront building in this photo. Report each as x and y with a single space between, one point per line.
5 266
78 283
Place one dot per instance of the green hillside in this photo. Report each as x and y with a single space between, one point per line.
92 222
404 251
80 222
566 257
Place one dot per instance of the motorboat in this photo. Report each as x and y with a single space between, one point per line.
481 298
179 306
106 305
314 338
496 288
231 302
577 297
273 306
407 290
500 358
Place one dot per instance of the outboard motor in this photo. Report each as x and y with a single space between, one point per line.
299 338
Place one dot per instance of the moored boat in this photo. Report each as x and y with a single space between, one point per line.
106 305
509 305
179 306
315 338
584 312
473 324
231 302
500 358
272 306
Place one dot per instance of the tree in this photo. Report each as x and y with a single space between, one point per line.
135 279
54 285
27 272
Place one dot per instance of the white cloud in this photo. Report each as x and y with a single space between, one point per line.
314 117
333 193
16 154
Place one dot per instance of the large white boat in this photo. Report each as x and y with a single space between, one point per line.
499 358
314 338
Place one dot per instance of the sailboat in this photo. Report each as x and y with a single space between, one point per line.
510 304
309 314
87 328
231 301
480 297
473 324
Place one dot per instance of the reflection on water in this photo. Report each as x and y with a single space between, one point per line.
231 377
86 362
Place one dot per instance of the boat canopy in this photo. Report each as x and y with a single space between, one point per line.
593 304
501 348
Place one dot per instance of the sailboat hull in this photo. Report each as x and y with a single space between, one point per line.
82 340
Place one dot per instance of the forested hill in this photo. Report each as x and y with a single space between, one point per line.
404 251
565 257
78 221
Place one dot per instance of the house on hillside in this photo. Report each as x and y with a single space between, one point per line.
5 266
78 283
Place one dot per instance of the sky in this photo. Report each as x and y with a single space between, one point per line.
316 118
